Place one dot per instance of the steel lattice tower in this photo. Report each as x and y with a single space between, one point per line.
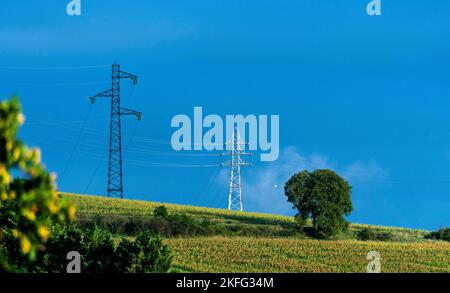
235 201
115 187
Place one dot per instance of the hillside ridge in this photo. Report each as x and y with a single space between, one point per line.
93 206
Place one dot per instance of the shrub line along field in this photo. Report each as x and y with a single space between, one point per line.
228 241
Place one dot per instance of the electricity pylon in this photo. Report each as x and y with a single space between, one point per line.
115 186
235 201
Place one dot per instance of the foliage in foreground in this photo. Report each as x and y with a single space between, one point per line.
99 253
29 203
322 196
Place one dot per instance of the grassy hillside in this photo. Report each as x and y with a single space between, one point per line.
103 210
215 240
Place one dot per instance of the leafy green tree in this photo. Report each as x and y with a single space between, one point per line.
29 201
322 196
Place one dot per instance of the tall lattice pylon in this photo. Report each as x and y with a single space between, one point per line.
235 201
115 185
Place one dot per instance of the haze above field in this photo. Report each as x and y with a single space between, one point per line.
366 96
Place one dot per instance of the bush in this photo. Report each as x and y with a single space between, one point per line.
100 254
151 256
367 234
163 223
161 212
441 234
146 254
384 236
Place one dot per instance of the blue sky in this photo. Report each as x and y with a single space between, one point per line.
365 96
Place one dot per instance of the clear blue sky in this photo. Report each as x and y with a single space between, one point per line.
365 96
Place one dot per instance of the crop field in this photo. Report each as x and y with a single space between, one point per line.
265 249
98 205
218 254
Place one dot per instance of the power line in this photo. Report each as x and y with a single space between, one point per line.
56 84
207 186
50 122
95 172
141 163
129 96
53 67
65 124
144 151
76 145
130 141
220 194
157 141
349 175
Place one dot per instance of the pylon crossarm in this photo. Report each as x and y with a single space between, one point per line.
126 111
104 94
123 74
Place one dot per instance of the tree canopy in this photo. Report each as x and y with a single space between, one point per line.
322 196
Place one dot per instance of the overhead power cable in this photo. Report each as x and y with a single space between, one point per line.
53 67
141 163
76 145
52 84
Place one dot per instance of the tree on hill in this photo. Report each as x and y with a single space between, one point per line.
322 196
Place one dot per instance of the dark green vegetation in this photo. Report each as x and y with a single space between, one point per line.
100 253
322 196
129 217
442 234
368 234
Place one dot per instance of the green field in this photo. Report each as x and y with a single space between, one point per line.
250 242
